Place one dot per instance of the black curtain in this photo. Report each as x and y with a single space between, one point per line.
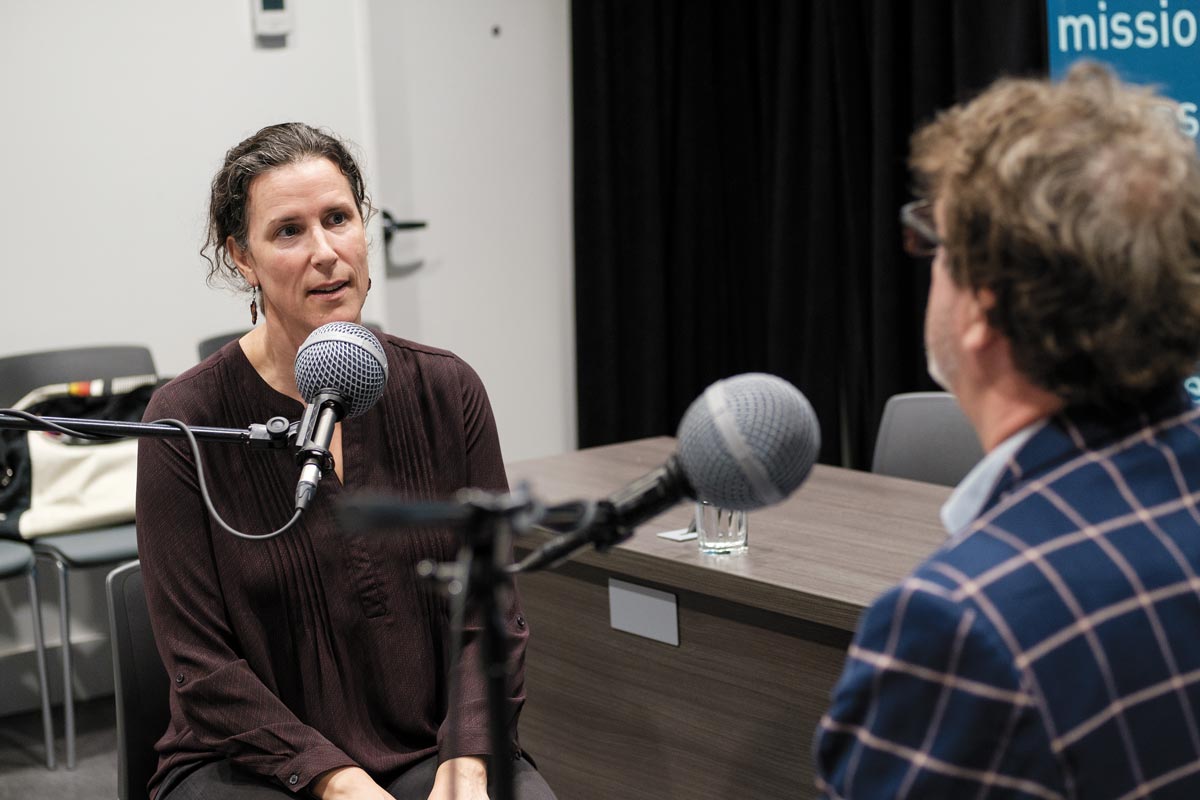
739 167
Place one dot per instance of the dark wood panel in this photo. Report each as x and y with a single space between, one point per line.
729 713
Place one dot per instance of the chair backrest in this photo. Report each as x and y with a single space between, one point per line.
214 343
143 688
21 374
925 436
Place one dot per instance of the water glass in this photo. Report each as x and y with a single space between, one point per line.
719 530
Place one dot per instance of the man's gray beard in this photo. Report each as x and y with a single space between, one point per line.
935 370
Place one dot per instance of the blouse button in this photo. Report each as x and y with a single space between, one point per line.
179 678
294 779
520 621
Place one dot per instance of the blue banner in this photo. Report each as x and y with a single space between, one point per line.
1154 42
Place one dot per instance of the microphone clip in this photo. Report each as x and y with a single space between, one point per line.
308 450
322 458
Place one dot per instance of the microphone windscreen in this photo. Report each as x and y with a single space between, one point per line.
749 441
344 358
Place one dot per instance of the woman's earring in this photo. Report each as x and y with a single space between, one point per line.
253 305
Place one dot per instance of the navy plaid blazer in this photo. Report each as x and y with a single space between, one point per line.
1052 650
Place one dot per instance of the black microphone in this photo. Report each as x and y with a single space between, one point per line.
341 371
748 442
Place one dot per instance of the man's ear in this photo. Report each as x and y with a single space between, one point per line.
977 331
241 260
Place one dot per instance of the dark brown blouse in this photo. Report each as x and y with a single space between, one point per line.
319 648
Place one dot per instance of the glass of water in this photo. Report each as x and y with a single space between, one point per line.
719 530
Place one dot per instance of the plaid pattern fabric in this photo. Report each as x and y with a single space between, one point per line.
1050 651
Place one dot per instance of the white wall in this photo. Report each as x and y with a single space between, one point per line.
473 109
116 115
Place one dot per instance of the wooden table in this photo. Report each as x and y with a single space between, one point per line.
730 712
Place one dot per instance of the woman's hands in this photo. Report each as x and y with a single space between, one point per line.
348 783
463 778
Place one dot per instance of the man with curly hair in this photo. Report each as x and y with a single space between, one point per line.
1051 648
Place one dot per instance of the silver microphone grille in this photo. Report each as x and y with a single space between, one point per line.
345 358
749 441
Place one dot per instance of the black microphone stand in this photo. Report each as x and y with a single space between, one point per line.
477 579
482 572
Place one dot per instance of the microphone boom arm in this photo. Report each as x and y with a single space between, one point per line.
601 523
275 434
613 520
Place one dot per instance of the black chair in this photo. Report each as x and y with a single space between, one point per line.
214 343
17 559
106 546
143 687
924 436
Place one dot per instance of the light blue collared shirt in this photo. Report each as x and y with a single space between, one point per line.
972 491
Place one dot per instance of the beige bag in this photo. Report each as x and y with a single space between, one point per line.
55 483
77 486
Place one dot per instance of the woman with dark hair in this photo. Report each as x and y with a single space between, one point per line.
314 662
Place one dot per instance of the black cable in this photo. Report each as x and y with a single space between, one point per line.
204 488
96 437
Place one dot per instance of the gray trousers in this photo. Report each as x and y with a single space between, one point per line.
221 780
